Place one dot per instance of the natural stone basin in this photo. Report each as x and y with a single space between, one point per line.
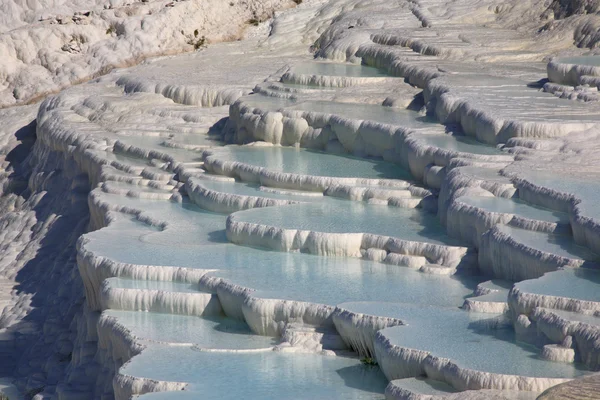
574 283
516 207
337 69
329 280
156 143
487 174
266 375
266 103
167 286
123 159
133 248
245 189
580 60
473 341
424 386
587 190
292 276
560 245
463 144
194 141
302 277
351 217
371 112
309 162
219 333
179 223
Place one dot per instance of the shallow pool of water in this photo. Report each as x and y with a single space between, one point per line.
575 283
245 189
167 286
265 375
516 207
471 340
217 333
561 245
352 217
310 162
371 112
461 144
581 60
585 188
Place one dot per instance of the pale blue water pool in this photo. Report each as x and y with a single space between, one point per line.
310 162
469 339
585 188
352 217
302 277
578 317
581 60
561 245
245 189
167 286
122 158
196 140
516 207
292 276
184 223
463 144
220 333
575 283
264 375
329 280
371 112
487 174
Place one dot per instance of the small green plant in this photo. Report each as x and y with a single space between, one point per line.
197 42
368 361
254 20
110 30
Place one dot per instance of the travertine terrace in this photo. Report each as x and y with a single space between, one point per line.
343 199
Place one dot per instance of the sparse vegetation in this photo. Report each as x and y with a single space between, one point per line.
3 396
254 20
368 361
110 30
197 42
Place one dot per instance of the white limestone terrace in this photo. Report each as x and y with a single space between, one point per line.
344 230
443 344
50 45
132 146
490 297
574 78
